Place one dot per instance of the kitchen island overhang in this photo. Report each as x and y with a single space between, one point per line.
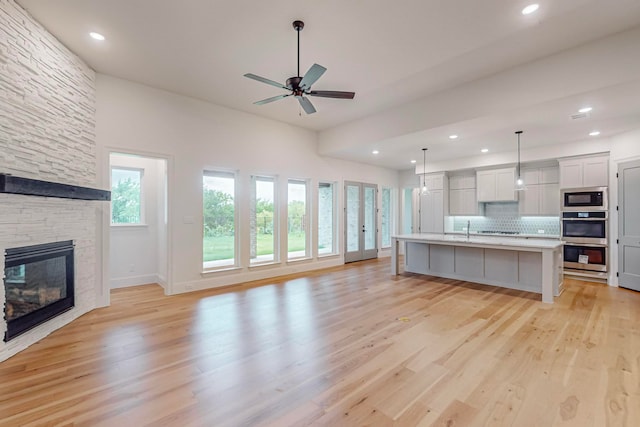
529 264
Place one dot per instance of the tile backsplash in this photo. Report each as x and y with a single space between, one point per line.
505 217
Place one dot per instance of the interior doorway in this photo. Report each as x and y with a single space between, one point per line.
138 232
629 225
361 234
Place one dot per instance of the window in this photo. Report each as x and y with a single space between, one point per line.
297 219
126 196
264 230
326 218
386 217
219 216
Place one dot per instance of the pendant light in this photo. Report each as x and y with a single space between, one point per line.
425 189
519 181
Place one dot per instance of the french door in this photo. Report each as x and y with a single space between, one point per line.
361 234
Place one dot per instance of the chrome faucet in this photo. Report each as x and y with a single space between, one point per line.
468 228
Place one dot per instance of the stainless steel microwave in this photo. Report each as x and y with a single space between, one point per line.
585 199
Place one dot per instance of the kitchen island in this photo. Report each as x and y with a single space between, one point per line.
528 264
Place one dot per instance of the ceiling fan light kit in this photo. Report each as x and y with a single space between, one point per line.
301 86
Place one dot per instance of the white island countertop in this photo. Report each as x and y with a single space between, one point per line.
482 240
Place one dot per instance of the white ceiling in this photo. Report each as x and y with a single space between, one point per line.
421 69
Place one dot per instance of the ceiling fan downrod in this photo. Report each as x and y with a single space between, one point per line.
298 26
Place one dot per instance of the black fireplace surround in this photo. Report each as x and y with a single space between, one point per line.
39 285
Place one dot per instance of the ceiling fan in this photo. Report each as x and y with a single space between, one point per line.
301 86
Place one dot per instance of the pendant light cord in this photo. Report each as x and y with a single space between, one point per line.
519 133
424 168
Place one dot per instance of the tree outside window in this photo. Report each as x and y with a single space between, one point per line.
219 216
263 226
126 196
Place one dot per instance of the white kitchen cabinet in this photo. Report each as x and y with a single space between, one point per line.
434 181
540 199
542 192
432 212
496 185
462 195
577 172
463 202
550 199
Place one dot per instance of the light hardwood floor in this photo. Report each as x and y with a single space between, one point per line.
349 346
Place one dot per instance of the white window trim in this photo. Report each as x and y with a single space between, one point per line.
143 218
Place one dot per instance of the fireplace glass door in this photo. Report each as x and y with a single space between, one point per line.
38 284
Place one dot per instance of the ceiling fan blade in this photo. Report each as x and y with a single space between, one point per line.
312 75
273 98
307 106
267 81
332 94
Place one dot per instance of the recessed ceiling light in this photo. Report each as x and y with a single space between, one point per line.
96 36
594 133
585 110
530 9
375 152
484 150
413 161
453 136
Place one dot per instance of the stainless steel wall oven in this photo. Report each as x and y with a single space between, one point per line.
585 227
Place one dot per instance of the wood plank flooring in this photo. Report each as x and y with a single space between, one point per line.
349 346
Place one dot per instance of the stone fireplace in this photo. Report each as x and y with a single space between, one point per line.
48 108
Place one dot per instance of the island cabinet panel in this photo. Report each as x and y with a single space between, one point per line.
533 265
529 272
501 266
469 262
441 259
417 256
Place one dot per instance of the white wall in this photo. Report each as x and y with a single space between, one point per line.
137 252
197 135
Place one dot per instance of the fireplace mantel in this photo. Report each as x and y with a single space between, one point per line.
33 187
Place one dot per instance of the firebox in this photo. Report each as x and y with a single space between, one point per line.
39 285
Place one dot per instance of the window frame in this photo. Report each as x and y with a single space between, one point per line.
217 265
334 218
143 221
276 218
307 225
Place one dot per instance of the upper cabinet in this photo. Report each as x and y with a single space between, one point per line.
432 204
542 193
497 185
462 195
591 171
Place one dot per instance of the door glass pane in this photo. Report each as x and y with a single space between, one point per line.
353 211
369 218
386 217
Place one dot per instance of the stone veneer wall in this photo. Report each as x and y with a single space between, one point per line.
47 132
